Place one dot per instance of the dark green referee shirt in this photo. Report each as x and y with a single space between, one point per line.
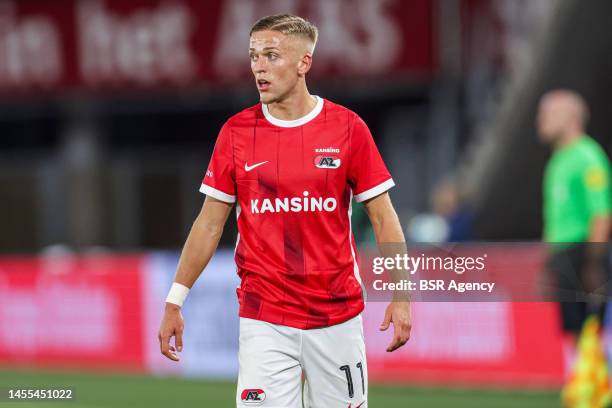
576 189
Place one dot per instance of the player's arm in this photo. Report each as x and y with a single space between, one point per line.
197 252
390 237
599 230
596 179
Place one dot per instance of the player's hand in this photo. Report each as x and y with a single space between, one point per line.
594 280
398 313
171 326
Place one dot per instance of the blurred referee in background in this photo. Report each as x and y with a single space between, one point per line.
576 211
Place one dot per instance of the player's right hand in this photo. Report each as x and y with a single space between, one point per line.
172 325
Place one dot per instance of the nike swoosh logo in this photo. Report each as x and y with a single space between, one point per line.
249 168
356 406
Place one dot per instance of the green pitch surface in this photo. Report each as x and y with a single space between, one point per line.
126 391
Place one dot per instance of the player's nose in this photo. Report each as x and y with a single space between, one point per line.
259 65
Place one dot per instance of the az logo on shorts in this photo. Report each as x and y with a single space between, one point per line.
253 396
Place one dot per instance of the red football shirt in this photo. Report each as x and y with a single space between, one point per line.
293 183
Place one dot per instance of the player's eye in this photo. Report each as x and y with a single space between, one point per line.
253 57
272 57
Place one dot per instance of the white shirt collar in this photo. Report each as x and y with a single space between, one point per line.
295 122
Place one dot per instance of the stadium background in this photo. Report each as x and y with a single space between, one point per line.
108 115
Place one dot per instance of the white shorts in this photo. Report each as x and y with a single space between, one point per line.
273 359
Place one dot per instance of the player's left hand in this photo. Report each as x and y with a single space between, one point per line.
398 313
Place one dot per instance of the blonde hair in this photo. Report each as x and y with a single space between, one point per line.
289 25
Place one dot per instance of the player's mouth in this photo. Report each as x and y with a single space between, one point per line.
263 85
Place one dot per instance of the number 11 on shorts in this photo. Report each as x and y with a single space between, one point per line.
349 378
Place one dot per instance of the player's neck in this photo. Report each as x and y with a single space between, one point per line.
568 139
294 106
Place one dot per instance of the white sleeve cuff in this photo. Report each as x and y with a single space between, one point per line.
374 191
218 194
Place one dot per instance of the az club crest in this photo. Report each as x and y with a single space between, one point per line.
327 162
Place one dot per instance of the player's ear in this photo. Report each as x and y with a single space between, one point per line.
305 64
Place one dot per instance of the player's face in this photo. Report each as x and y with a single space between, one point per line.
552 119
274 62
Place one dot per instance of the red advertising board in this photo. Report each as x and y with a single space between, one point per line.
470 343
511 337
104 312
90 44
71 311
